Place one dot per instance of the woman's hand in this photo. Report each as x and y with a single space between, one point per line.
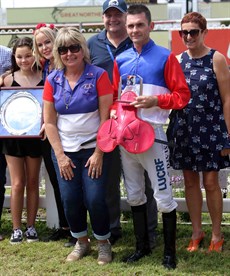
225 152
42 132
226 149
95 163
65 165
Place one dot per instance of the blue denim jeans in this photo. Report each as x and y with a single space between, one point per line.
83 193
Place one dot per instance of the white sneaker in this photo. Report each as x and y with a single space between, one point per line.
104 253
81 249
31 234
16 236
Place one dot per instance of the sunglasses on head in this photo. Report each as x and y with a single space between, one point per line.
62 50
192 33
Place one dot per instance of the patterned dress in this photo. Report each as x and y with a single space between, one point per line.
198 131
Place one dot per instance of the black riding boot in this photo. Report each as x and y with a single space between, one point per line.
141 234
169 229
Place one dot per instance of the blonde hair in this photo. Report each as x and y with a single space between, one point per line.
68 36
50 33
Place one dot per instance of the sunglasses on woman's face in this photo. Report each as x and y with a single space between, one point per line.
193 33
62 50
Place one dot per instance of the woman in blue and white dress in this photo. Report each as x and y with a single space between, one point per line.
201 130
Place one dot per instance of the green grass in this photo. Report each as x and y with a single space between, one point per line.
49 258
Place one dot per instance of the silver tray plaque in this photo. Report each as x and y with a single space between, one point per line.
21 112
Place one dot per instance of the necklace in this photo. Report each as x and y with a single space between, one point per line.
66 99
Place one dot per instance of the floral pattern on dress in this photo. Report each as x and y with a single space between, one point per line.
198 132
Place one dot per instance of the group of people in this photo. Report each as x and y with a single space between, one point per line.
81 83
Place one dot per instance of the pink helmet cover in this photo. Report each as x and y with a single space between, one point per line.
127 130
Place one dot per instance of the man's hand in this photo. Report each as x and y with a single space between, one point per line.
113 114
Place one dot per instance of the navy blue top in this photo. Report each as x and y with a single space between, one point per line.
103 52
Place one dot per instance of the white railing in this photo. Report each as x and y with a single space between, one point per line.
92 27
47 201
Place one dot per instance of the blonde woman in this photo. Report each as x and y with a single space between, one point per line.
77 97
44 36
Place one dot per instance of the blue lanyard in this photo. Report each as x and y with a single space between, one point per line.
110 52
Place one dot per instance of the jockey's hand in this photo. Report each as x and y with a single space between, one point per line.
145 101
113 114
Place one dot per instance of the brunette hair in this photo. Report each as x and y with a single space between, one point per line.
21 42
195 17
67 36
139 8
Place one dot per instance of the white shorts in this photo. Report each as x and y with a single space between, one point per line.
156 162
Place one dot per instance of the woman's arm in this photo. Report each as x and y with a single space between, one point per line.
105 100
8 80
3 76
50 119
105 103
95 162
221 70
